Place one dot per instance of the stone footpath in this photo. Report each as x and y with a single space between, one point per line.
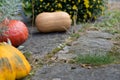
59 71
91 42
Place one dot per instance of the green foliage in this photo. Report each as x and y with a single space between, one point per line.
27 7
9 8
82 10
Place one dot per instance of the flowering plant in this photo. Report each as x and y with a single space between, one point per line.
81 10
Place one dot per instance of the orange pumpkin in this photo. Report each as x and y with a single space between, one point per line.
14 30
53 21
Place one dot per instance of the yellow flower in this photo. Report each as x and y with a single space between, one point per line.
102 13
78 1
57 10
98 1
59 5
86 3
102 8
48 4
64 1
73 2
85 16
91 6
40 5
56 1
89 13
97 6
52 9
41 0
74 17
95 17
74 7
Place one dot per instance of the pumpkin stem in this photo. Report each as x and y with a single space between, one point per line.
33 17
9 41
5 21
75 22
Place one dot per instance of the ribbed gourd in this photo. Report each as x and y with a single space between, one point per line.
13 64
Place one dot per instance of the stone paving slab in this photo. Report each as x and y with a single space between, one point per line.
59 71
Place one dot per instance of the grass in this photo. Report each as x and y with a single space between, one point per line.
116 53
75 35
110 22
94 60
112 56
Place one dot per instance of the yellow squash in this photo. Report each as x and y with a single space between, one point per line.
6 68
13 64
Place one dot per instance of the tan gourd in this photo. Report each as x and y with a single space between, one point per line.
53 21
